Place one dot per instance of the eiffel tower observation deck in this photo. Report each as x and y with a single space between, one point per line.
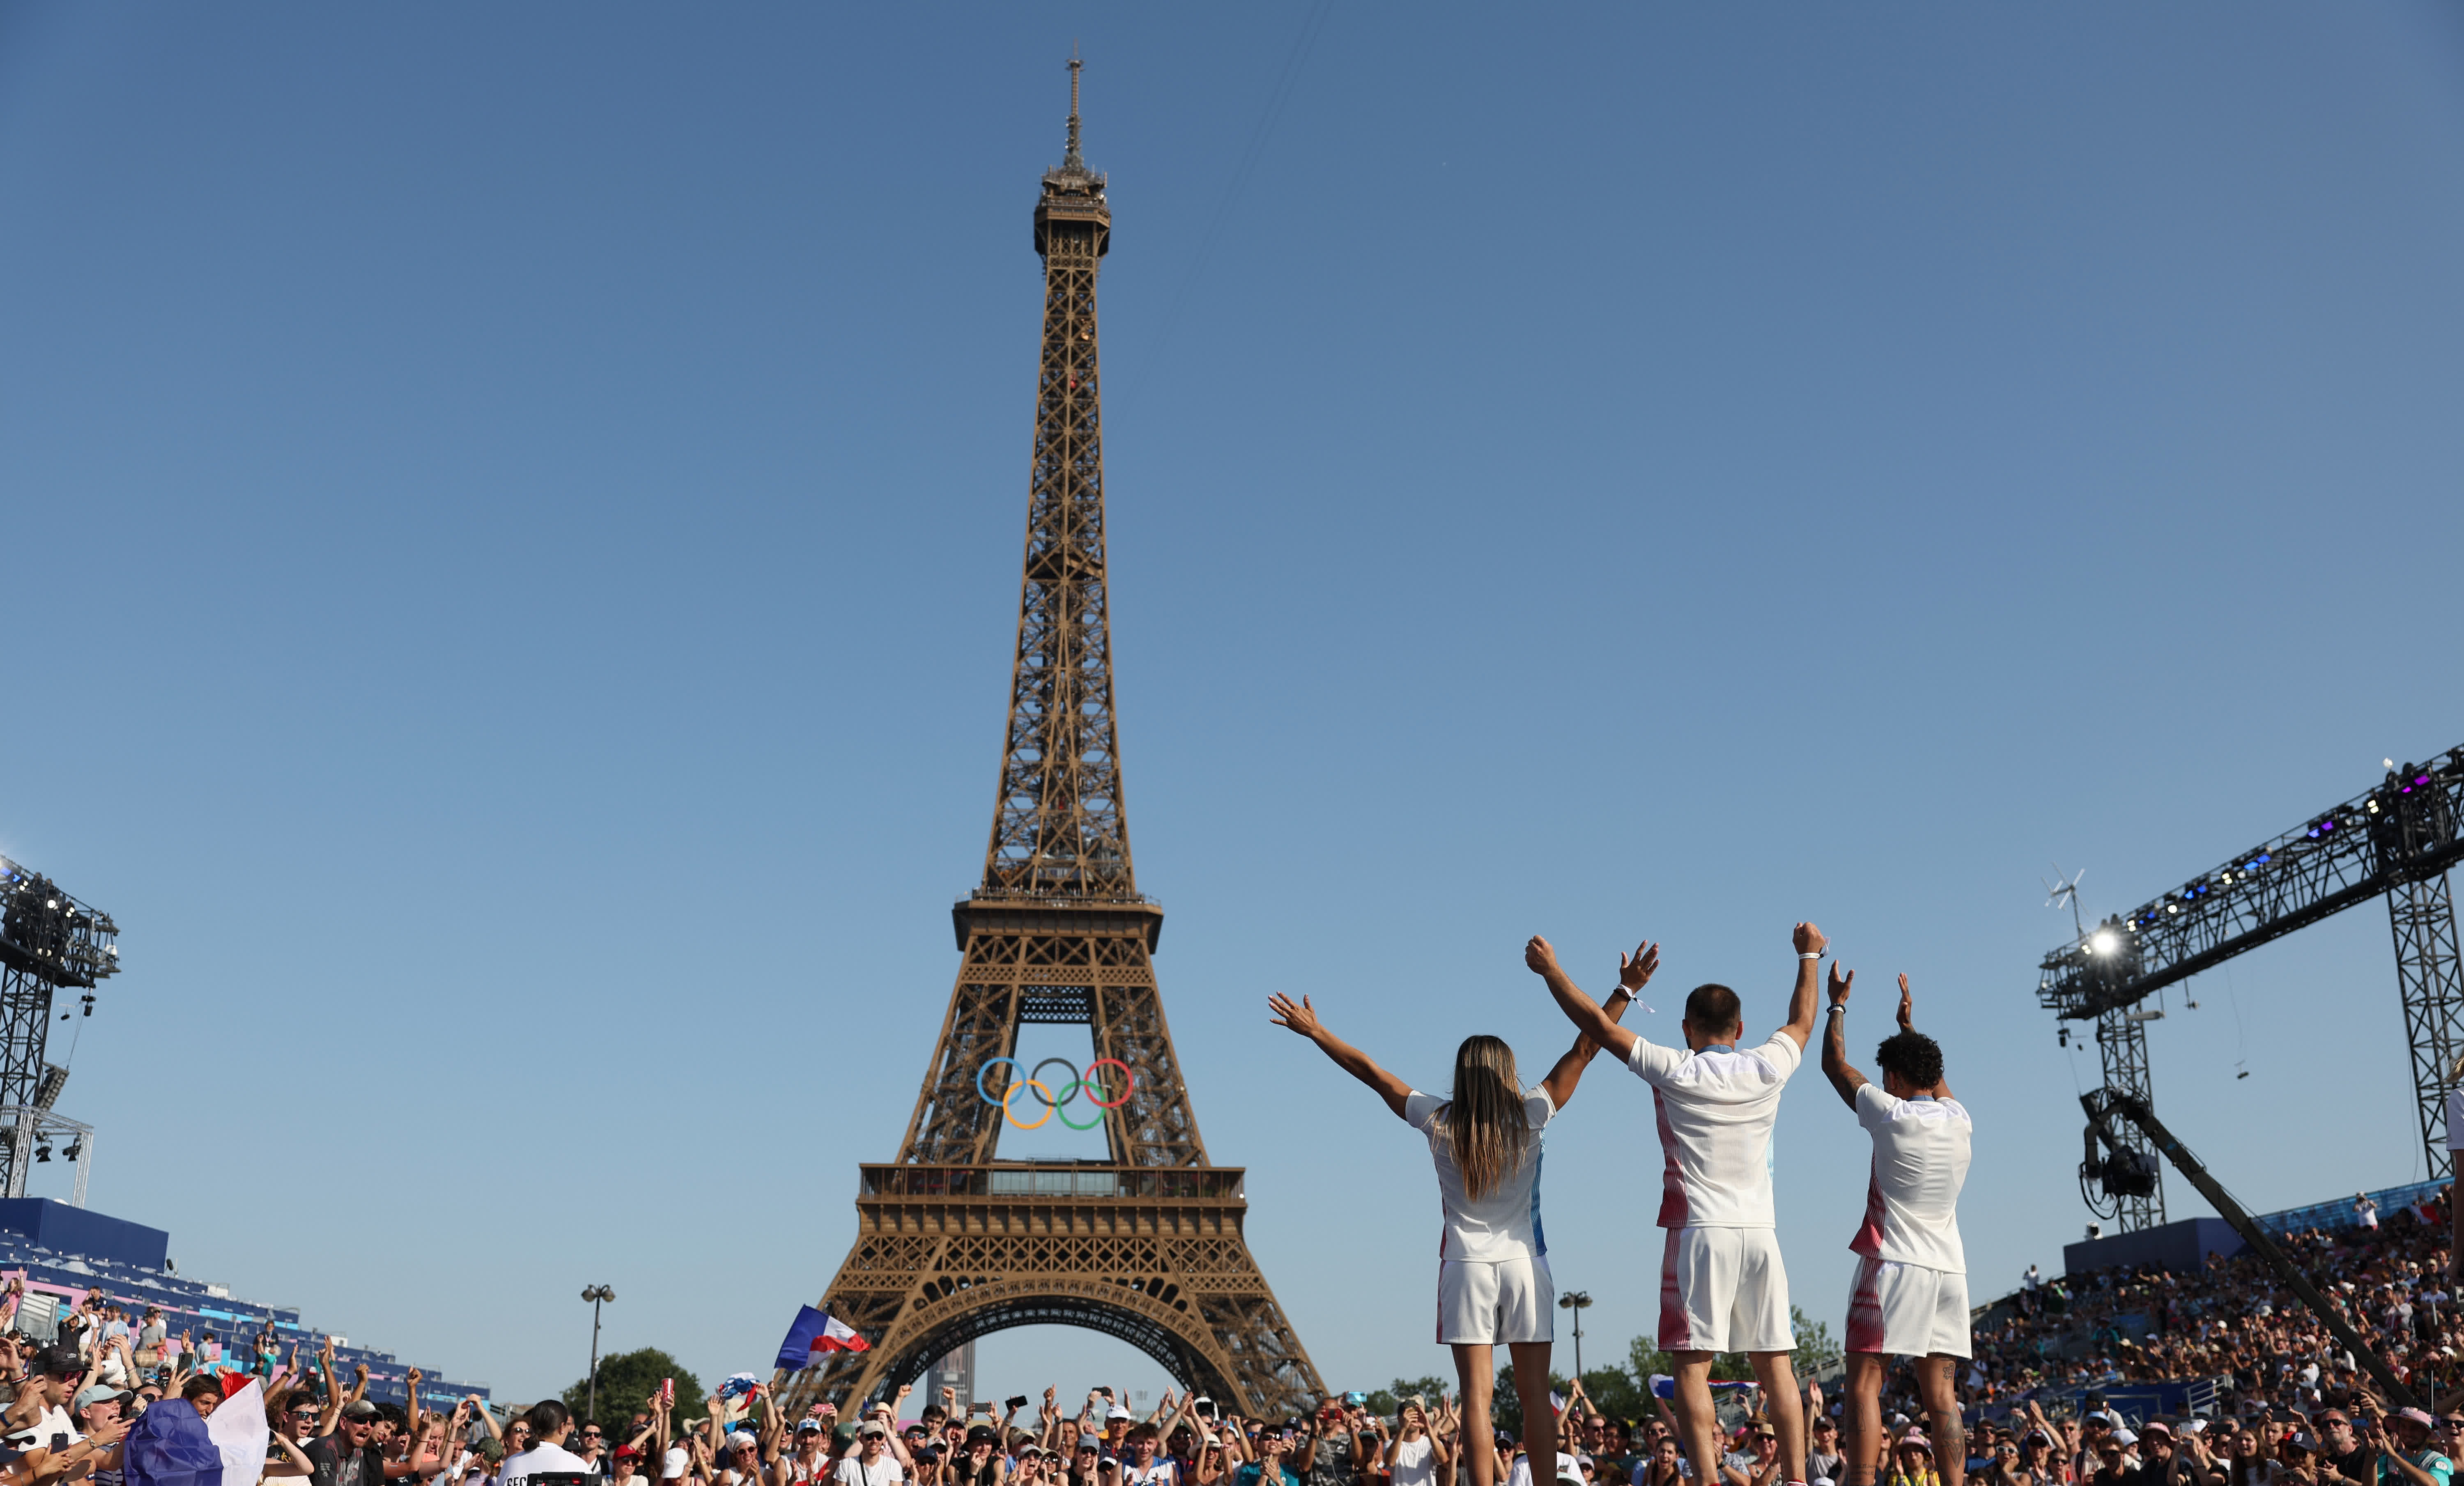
1146 1244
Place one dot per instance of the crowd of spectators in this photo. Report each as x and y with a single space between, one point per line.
2232 1320
2279 1402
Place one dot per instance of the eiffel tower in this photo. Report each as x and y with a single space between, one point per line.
1146 1245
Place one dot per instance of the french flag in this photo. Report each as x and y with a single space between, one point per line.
814 1333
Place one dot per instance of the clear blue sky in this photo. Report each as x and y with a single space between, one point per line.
513 518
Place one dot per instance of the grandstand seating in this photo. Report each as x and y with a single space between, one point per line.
53 1280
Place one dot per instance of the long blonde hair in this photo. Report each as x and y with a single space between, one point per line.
1484 1117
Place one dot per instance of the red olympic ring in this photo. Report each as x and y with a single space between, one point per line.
1128 1082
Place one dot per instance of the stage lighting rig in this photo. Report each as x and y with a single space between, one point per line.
2398 839
48 942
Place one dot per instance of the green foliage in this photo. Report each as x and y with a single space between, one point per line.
1816 1349
1616 1394
1384 1401
626 1381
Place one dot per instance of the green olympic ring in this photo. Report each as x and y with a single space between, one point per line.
1051 1101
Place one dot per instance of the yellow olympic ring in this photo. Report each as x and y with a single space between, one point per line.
1051 1105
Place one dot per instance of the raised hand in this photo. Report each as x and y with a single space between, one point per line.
1540 957
1907 1006
1840 982
1300 1018
1811 940
1634 973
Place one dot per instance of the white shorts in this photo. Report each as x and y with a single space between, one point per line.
1908 1310
1496 1304
1724 1290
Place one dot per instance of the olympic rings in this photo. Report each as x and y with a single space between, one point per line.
1050 1106
1042 1093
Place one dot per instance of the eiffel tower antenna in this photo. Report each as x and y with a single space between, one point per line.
1072 159
1145 1244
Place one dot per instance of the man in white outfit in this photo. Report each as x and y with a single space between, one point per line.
1909 1297
1721 1285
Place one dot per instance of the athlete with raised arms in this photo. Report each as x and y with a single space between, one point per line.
1909 1297
1493 1285
1721 1285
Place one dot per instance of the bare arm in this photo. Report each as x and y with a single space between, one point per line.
1835 1039
1303 1019
1810 940
1633 973
1908 1023
1581 1010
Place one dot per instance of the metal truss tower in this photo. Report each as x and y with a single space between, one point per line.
49 941
952 1243
2121 1042
2398 840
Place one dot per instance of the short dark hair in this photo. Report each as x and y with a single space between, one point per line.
201 1386
547 1416
1912 1056
1712 1007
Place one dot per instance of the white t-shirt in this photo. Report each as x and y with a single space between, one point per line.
1912 1194
1505 1222
884 1472
1416 1462
1715 1109
1161 1469
2455 1118
538 1458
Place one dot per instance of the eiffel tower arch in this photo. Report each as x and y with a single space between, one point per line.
1145 1245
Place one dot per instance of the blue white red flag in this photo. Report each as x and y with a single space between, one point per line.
815 1333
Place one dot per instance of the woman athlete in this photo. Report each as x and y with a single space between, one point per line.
1493 1285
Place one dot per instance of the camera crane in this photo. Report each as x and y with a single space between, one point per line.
2127 1168
2397 840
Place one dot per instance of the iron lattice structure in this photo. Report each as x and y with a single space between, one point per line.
49 941
1146 1245
2398 840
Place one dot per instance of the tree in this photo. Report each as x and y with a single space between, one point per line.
1384 1401
1815 1350
626 1380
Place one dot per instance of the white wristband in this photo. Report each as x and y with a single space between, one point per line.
1810 955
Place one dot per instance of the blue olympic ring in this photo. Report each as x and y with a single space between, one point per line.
1042 1093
